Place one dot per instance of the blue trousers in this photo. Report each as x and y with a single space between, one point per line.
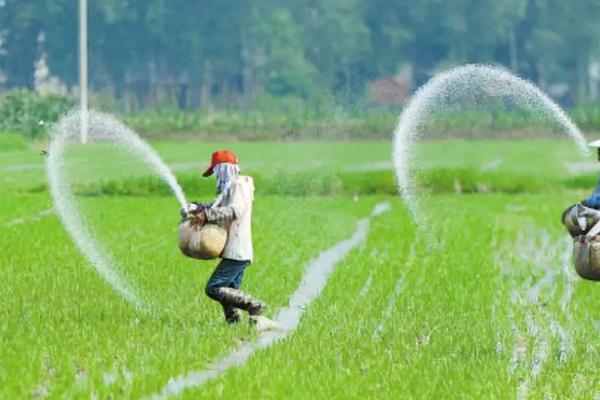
229 273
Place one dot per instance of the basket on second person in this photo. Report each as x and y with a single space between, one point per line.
201 242
583 223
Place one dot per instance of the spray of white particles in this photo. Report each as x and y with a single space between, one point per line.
102 128
468 80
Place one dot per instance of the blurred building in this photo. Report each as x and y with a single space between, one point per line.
394 90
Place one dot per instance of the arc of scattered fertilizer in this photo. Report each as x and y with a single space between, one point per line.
493 81
313 282
102 127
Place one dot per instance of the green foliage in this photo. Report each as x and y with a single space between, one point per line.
29 113
303 122
587 116
60 320
299 184
463 180
219 55
397 303
401 304
298 122
580 182
12 141
321 167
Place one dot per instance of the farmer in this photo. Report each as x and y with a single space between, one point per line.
593 200
232 209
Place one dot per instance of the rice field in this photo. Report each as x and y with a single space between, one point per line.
491 308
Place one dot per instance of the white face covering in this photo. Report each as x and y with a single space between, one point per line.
224 172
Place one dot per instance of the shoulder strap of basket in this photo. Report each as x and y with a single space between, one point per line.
593 232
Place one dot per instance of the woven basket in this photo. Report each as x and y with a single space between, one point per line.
204 243
587 258
572 225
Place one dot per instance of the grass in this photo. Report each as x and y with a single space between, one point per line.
453 327
62 324
330 121
275 118
11 141
322 167
434 322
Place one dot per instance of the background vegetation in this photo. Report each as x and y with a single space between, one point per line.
299 69
213 54
30 114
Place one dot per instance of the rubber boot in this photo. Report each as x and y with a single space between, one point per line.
232 314
238 299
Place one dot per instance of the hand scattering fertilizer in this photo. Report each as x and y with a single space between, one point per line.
102 128
203 242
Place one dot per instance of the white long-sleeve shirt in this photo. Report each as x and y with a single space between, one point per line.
235 211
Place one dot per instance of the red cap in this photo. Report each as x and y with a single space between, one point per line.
218 157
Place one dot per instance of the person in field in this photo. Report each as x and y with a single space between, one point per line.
593 201
578 218
231 209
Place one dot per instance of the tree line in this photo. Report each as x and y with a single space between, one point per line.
214 53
